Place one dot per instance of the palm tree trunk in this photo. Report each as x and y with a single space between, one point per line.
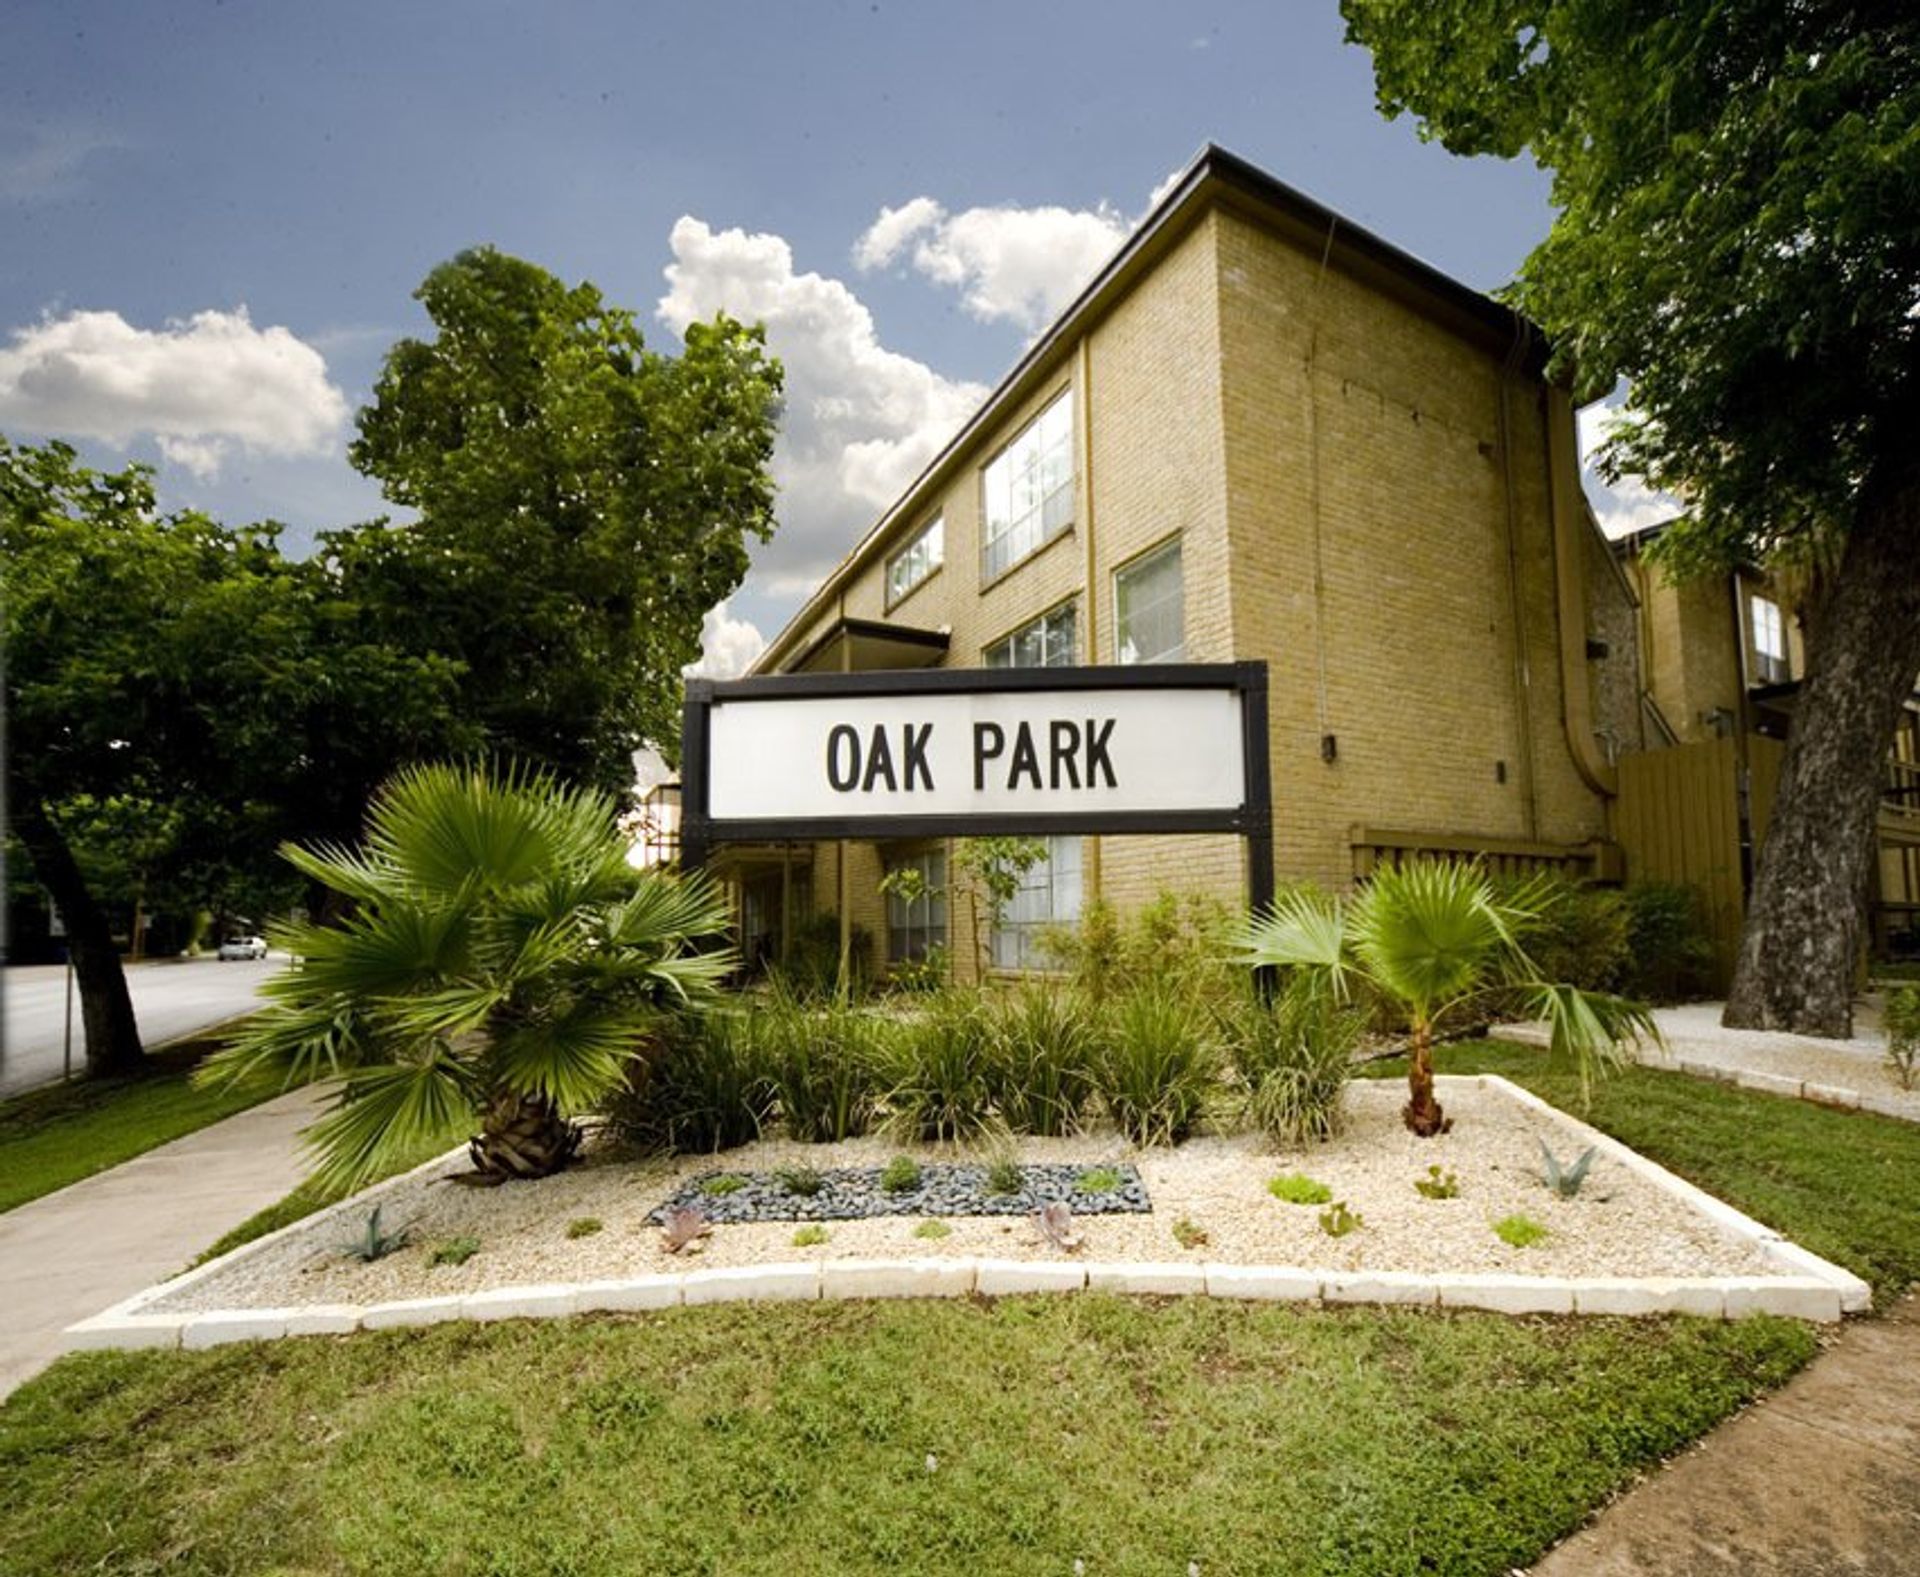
1422 1112
522 1136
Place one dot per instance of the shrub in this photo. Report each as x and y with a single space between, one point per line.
1576 933
1670 955
1039 1066
937 1071
821 1060
1179 941
1158 1066
809 1236
455 1251
811 969
901 1175
583 1226
1519 1231
933 1228
703 1089
1437 1184
1294 1055
1296 1188
1903 1034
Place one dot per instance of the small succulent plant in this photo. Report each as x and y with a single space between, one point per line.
682 1225
1296 1188
1566 1180
1188 1234
810 1236
802 1181
933 1227
372 1242
1098 1180
1004 1175
1337 1220
726 1183
1437 1184
1519 1231
901 1175
583 1226
455 1251
1056 1225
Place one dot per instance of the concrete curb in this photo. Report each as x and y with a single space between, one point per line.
1838 1096
1806 1288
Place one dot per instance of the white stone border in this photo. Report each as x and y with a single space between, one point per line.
1807 1287
1838 1096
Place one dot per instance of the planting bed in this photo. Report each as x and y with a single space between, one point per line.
1634 1240
858 1193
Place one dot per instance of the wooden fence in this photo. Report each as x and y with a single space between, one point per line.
1679 818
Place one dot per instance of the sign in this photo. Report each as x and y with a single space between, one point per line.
959 753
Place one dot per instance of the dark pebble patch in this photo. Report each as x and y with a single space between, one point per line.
945 1189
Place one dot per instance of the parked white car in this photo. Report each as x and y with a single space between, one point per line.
243 947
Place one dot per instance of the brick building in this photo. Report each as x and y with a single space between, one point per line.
1260 432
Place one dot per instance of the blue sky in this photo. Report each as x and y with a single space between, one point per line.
166 168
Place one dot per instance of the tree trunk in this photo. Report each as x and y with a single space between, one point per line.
1803 935
522 1136
1422 1112
106 1008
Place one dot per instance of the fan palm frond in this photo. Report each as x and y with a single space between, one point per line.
387 1111
1429 932
1305 930
1596 1032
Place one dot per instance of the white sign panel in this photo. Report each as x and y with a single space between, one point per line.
1035 753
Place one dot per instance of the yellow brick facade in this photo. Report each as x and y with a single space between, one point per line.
1355 503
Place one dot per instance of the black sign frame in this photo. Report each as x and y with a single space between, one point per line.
1252 819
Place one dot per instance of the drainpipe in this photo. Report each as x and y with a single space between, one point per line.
1083 441
1570 595
1516 606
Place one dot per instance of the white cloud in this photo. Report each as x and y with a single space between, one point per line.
728 645
1014 265
861 421
196 387
1629 504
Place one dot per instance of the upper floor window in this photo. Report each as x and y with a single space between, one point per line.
1028 489
1149 616
1046 643
917 560
1769 641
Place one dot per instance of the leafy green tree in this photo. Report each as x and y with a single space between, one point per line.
583 502
164 663
501 964
1738 236
1433 937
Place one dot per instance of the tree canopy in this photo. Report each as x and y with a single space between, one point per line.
1738 236
582 501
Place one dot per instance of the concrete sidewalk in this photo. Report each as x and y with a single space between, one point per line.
1844 1073
1820 1480
74 1253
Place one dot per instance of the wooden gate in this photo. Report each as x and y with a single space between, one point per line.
1680 818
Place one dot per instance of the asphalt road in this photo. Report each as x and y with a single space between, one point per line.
170 999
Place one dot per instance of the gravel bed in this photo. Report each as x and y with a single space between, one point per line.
857 1193
1619 1225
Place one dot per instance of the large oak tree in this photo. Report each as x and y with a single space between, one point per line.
1738 236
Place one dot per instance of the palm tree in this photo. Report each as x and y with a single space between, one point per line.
499 962
1432 936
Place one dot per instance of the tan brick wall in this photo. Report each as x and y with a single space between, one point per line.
1346 408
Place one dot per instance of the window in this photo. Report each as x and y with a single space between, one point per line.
917 560
1028 489
1045 643
1049 895
1769 641
915 925
1149 619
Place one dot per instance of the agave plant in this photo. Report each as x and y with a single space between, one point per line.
499 964
1432 936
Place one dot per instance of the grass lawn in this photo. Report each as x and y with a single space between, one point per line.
887 1437
56 1136
1840 1183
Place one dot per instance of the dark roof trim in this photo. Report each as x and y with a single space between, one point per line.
1213 167
873 629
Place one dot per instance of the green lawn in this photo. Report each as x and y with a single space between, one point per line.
1844 1184
934 1437
57 1136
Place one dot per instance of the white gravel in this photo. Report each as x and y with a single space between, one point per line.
1619 1225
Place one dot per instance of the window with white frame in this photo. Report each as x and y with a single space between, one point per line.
1769 641
1149 615
917 920
1049 895
1048 642
1027 490
917 560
